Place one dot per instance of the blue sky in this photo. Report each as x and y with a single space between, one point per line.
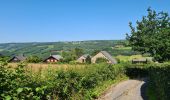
71 20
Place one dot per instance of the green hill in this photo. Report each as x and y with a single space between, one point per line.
43 49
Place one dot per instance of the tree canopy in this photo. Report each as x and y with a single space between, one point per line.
152 35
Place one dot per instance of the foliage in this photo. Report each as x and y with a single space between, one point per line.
42 50
67 57
20 83
72 55
159 78
159 81
33 59
136 70
95 52
77 52
4 59
152 35
88 60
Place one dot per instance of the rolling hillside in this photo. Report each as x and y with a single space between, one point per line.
43 49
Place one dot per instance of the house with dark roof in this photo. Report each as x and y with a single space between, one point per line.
105 55
19 58
53 59
83 58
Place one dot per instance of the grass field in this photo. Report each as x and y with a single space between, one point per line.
124 48
123 58
40 66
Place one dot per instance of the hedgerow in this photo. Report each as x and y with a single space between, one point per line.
20 83
159 81
158 78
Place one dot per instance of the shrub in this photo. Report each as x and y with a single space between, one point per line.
62 85
160 80
33 59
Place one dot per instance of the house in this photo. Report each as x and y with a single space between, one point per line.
53 59
139 60
19 58
105 55
83 58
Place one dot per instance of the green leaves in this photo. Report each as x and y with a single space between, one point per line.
19 90
64 85
151 35
159 80
8 97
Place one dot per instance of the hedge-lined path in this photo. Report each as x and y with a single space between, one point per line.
126 90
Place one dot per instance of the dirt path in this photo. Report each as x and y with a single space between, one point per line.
126 90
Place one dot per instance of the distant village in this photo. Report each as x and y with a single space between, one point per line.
82 59
59 58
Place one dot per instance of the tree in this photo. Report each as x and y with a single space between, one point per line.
77 52
152 35
67 56
88 60
95 52
33 59
4 58
72 55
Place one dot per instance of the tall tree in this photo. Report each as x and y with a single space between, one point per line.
77 52
152 35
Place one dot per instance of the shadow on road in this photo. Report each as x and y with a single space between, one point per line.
143 89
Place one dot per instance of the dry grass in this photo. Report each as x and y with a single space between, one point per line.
44 67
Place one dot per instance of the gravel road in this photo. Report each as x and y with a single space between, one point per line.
126 90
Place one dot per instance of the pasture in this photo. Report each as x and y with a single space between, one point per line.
123 58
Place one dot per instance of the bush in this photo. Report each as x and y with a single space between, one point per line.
33 59
160 80
62 85
88 60
159 77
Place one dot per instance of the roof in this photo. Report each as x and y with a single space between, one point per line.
109 57
20 57
58 57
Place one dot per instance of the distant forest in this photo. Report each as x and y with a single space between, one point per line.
114 47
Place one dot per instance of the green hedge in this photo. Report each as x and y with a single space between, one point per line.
137 70
158 74
63 85
159 81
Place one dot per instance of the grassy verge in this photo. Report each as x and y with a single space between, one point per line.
104 86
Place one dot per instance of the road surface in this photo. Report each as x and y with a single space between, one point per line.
126 90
